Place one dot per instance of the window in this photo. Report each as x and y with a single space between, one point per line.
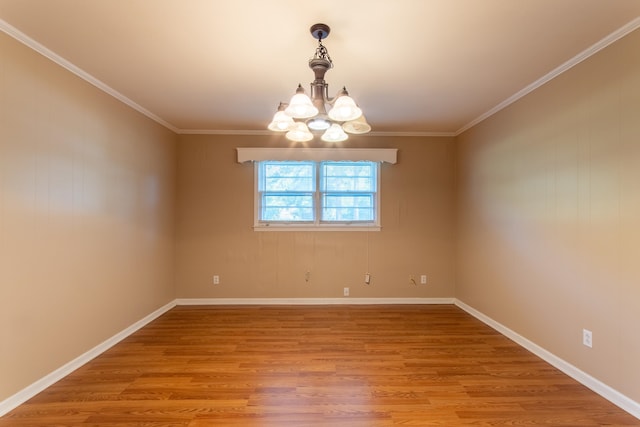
321 194
326 188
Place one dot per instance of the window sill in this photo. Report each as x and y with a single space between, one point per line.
287 227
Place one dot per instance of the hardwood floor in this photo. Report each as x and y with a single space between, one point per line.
399 365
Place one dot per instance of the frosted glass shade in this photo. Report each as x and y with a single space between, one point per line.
345 109
301 107
299 133
281 122
357 126
334 134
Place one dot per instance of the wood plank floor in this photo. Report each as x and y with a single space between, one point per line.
431 365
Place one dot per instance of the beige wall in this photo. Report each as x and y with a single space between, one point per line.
215 236
86 216
549 216
547 204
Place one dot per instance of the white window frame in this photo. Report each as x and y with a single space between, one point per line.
256 154
317 223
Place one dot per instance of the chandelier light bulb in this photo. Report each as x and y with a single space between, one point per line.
319 123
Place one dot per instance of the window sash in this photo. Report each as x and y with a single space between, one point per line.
336 177
280 176
349 210
293 212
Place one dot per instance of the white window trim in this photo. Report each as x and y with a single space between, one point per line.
288 226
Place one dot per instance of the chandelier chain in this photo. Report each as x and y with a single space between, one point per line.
322 53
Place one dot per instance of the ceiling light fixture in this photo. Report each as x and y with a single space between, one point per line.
319 113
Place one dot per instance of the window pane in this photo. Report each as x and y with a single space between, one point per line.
349 176
287 176
287 207
348 207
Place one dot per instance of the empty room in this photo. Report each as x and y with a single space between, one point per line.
337 213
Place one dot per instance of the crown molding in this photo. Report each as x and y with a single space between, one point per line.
224 132
590 51
49 54
412 134
271 133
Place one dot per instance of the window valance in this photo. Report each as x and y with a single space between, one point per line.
256 154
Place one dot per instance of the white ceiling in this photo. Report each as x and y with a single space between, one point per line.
413 66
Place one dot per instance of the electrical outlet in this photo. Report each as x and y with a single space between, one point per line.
587 338
367 278
307 276
345 292
423 279
216 280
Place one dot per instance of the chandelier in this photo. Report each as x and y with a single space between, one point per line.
333 117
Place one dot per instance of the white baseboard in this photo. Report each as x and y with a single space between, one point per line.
614 396
311 301
597 386
28 392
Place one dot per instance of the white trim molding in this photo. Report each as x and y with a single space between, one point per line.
592 50
265 132
311 301
585 54
595 385
256 154
30 391
612 395
51 55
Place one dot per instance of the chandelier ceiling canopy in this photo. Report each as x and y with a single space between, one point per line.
333 117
